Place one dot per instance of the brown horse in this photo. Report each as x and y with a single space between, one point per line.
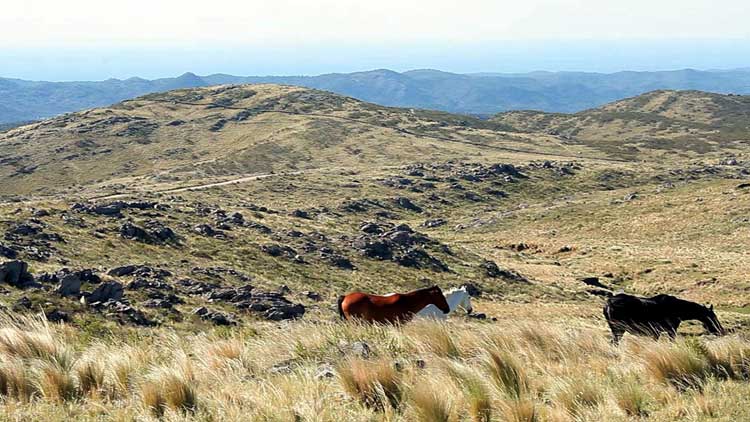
398 307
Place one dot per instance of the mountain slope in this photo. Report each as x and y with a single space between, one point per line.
674 121
469 94
234 130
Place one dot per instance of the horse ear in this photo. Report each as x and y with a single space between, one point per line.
710 307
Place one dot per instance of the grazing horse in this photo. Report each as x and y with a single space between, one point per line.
655 315
457 298
398 307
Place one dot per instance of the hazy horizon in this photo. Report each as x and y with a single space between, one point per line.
121 62
91 40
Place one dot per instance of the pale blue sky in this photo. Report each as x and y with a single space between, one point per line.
95 39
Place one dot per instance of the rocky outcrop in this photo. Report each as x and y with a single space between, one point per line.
16 274
399 244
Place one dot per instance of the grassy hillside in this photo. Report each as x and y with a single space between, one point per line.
167 235
675 122
238 130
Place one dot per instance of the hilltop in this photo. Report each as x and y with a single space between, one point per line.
678 122
239 130
477 94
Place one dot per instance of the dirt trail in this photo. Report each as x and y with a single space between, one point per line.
200 186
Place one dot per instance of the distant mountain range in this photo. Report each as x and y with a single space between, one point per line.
477 94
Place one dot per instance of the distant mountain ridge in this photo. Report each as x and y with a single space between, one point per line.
478 94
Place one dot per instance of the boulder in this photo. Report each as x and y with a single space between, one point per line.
57 315
109 291
437 222
133 232
215 317
407 204
371 228
300 214
70 285
16 274
472 289
8 252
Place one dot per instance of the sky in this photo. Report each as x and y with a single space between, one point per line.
98 39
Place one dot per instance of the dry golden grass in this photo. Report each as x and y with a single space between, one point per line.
530 371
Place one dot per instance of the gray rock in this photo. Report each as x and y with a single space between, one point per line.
472 289
70 285
16 274
109 291
325 371
361 349
407 204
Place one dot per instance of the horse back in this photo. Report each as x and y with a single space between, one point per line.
624 307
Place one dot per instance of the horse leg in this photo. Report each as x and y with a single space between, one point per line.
617 333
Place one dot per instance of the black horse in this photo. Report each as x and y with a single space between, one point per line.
656 315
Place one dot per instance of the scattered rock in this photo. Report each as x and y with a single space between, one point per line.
139 270
593 281
492 270
24 303
300 214
360 349
109 291
312 296
70 285
472 289
8 252
407 204
57 316
122 312
434 223
16 274
325 371
215 317
133 232
208 231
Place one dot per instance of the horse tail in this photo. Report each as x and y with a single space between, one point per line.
340 308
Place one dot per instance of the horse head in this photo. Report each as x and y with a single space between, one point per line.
437 298
711 322
459 298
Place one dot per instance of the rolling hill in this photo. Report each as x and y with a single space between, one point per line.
479 94
236 130
677 122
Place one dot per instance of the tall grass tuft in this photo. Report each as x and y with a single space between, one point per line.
168 388
579 395
374 384
431 405
521 410
56 383
15 382
435 337
677 364
90 374
632 398
509 375
475 391
731 356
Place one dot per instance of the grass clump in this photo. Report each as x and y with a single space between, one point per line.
168 388
374 384
431 405
677 364
475 390
632 398
507 373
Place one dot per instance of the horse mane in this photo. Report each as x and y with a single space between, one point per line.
422 290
